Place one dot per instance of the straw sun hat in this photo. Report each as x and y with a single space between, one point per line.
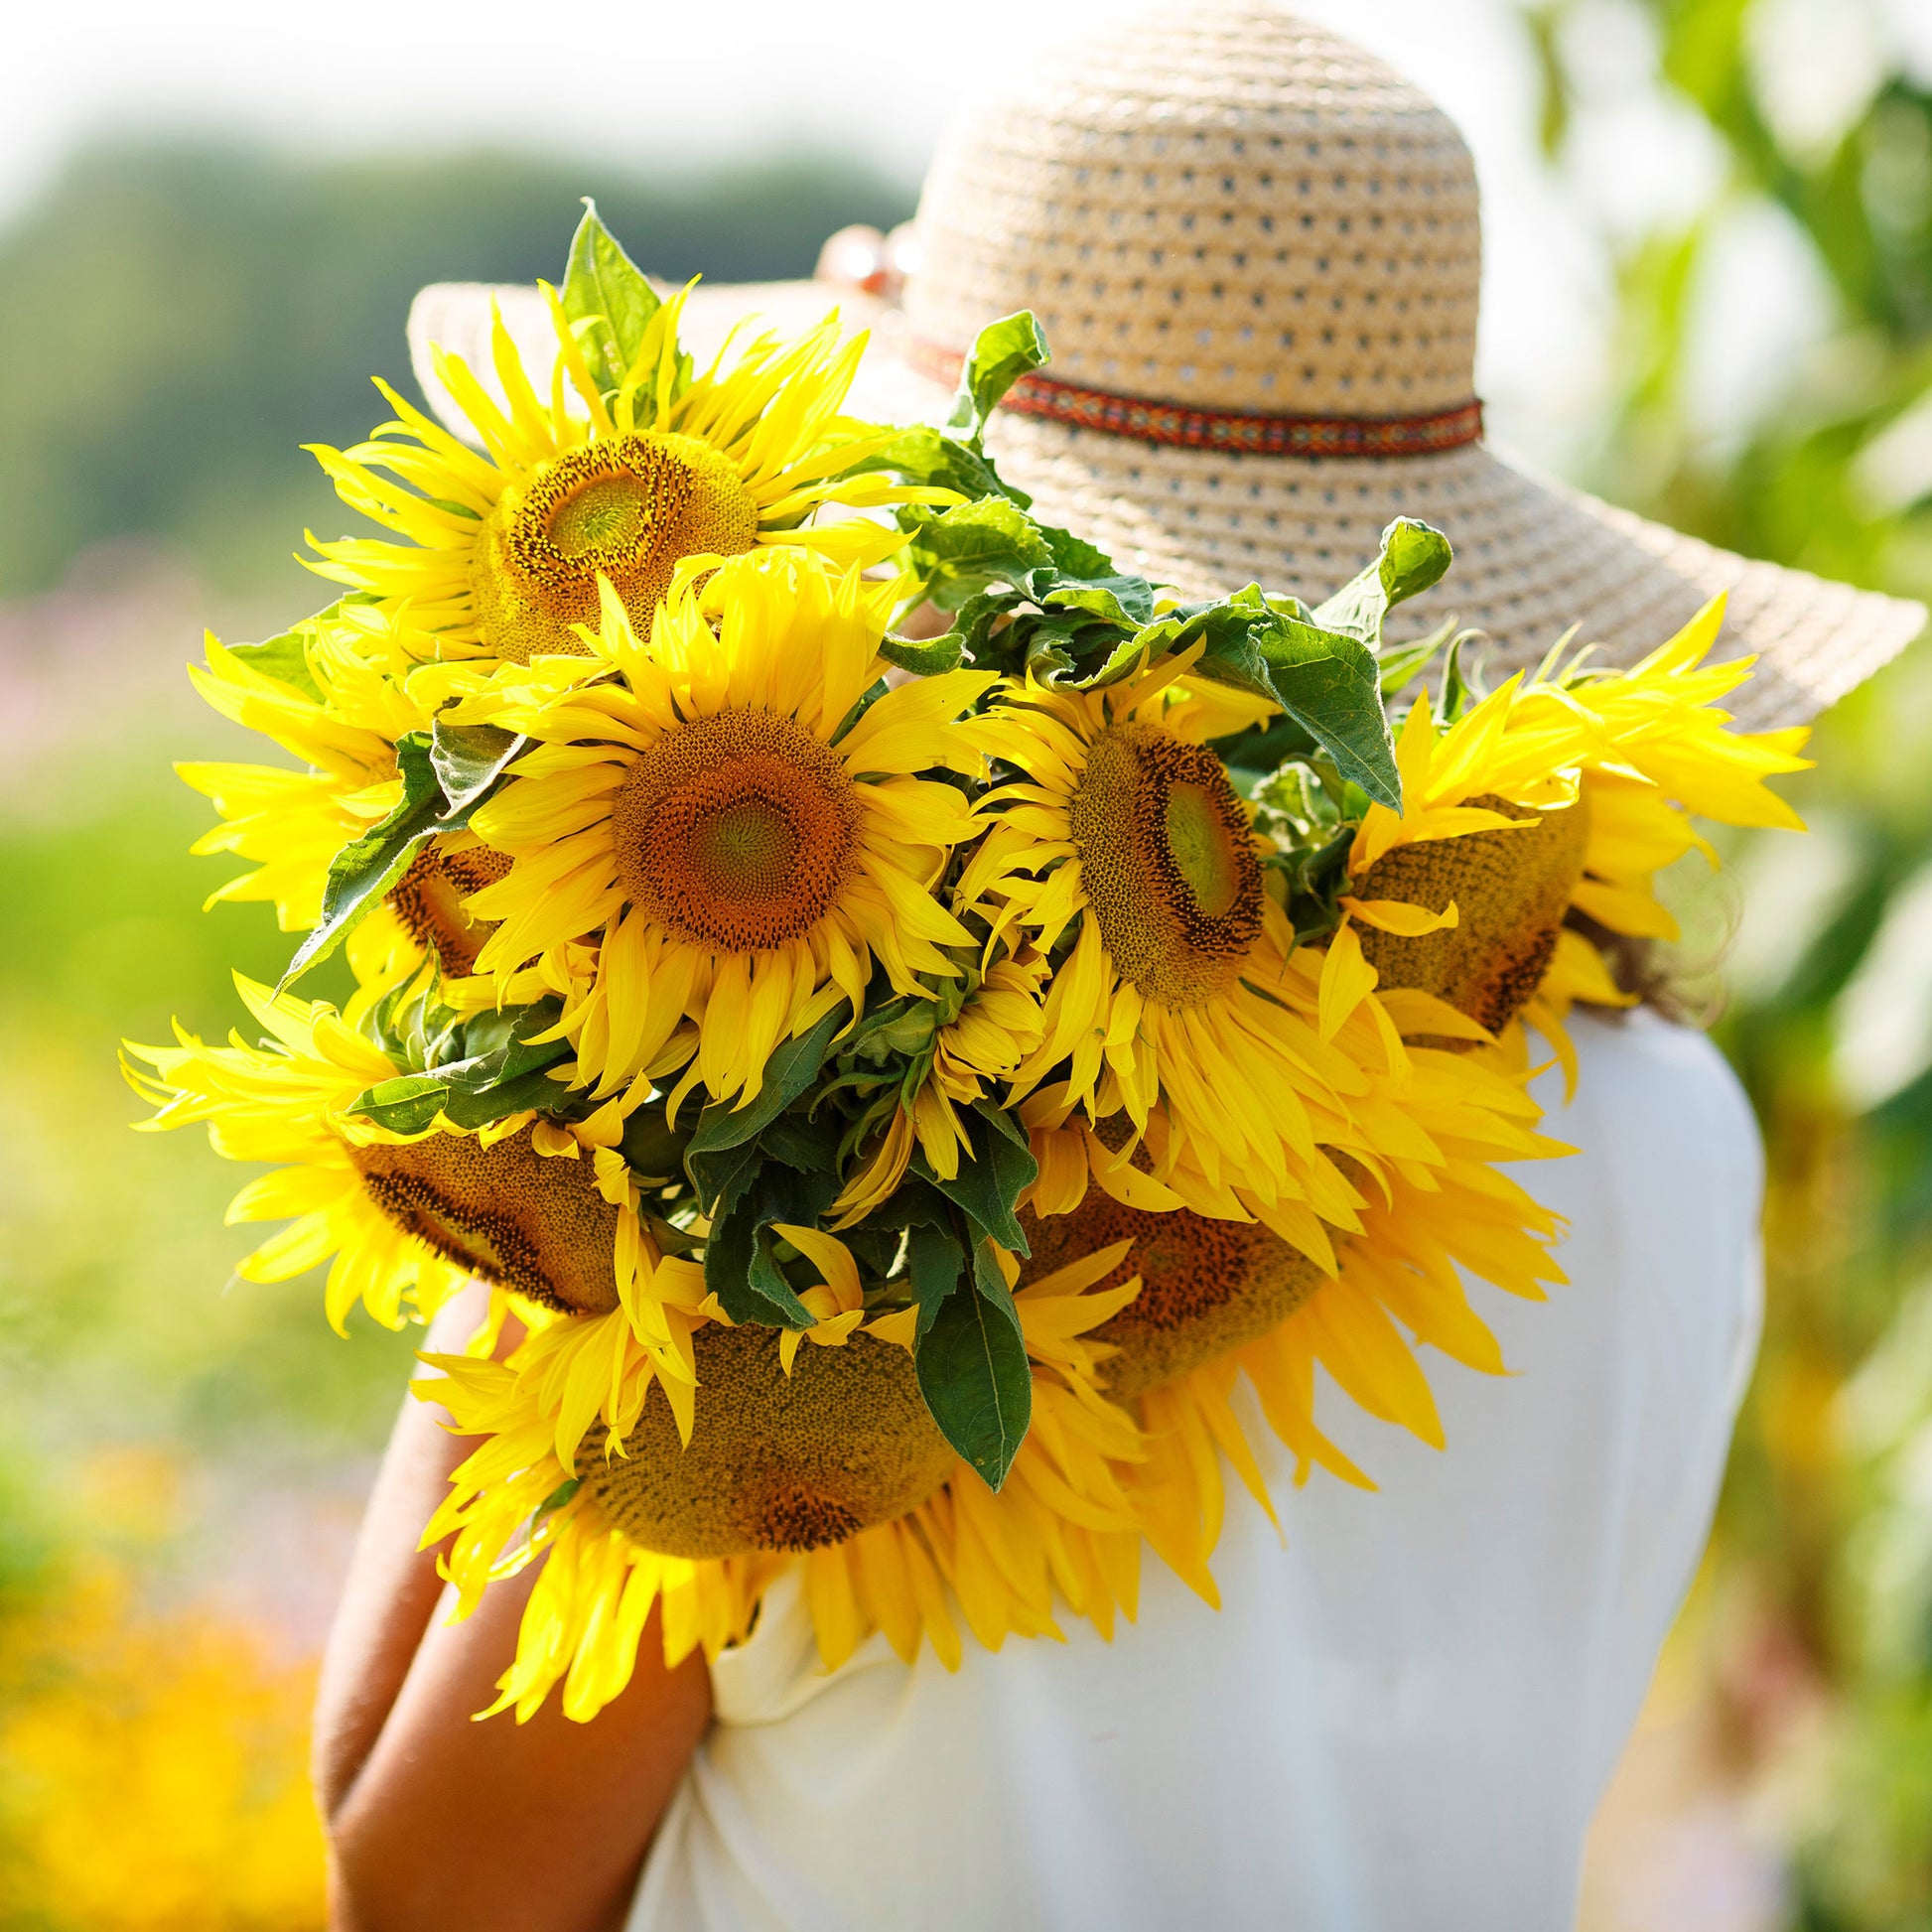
1255 251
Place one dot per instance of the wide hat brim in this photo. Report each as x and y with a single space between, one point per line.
1533 557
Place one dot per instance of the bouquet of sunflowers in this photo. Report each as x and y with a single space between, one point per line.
899 1083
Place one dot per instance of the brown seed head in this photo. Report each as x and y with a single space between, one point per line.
1169 863
775 1462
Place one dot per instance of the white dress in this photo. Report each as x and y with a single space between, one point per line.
1403 1718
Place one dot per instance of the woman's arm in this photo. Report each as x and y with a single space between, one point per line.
435 1820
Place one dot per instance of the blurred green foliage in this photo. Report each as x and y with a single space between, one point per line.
1826 1528
179 319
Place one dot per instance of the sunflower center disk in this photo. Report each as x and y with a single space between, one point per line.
505 1212
627 510
428 900
608 517
775 1462
1206 1286
1167 862
737 832
1511 891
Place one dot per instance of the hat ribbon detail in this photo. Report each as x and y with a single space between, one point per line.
1242 431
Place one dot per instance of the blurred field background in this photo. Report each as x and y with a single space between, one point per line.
181 1456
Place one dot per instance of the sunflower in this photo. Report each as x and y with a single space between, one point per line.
1225 1299
1632 758
405 1219
506 546
562 1415
1240 1283
733 817
342 722
1180 992
969 1037
1557 794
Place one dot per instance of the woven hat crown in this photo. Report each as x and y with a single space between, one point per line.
1221 205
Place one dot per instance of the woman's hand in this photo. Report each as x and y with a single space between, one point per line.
435 1821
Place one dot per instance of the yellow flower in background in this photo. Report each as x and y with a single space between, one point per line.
153 1770
504 546
741 840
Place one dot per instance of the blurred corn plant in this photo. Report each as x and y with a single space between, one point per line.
1799 176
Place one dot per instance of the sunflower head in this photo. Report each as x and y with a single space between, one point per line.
500 1210
428 901
1207 1286
629 509
579 482
1169 862
738 822
737 831
776 1460
1510 889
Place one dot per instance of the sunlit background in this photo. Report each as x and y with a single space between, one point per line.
1709 296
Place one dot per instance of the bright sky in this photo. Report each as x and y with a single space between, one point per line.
646 81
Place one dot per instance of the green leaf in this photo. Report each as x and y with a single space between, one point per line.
787 1073
1001 353
973 1372
1118 665
365 870
606 293
1330 684
992 1287
477 1106
651 1145
508 1038
1462 684
446 775
285 656
721 1178
1292 790
938 460
792 1139
1324 681
988 1186
963 549
1050 652
1413 556
506 1071
935 1263
1224 629
406 1105
1074 555
924 656
1123 601
471 761
740 1267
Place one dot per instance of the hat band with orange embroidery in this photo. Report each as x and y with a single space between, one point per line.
1176 427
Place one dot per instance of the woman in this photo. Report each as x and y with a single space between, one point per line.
1260 248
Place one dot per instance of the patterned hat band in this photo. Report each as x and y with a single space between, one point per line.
1244 432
